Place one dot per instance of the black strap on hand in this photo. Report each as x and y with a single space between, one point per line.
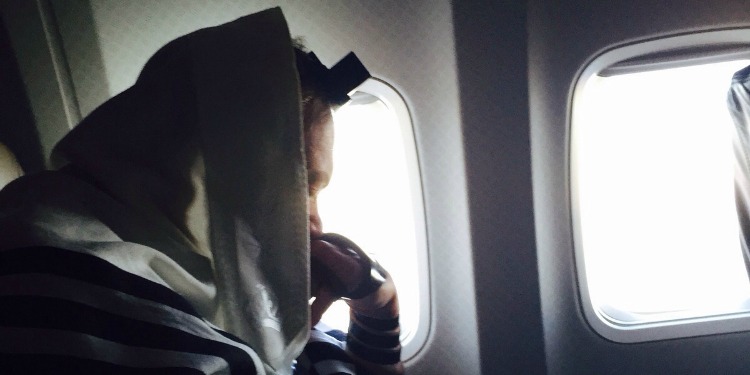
374 275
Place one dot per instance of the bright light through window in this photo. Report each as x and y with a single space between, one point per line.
372 199
653 171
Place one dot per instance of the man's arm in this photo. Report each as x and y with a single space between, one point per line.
373 339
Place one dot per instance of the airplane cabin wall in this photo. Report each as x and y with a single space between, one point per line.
563 37
492 58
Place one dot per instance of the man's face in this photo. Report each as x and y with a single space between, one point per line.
319 151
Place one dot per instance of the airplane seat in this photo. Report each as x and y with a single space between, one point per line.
738 102
9 167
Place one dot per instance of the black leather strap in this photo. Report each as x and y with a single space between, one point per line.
374 275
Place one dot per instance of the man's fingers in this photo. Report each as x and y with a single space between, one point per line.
345 268
323 300
338 271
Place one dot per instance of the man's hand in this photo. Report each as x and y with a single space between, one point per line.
334 269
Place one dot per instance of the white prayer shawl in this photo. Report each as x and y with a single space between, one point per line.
194 178
738 102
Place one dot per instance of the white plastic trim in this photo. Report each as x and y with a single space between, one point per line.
601 322
416 339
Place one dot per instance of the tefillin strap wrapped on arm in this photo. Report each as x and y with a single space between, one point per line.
372 278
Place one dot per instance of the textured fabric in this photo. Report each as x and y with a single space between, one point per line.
332 352
324 354
738 102
9 167
78 311
192 179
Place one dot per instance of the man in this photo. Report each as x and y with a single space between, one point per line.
174 236
328 258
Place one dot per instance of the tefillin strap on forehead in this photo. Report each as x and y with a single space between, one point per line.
342 78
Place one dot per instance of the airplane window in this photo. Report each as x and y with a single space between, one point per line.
375 199
655 219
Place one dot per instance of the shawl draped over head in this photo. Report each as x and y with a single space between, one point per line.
193 178
738 102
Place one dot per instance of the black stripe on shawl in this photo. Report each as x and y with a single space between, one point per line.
57 364
88 268
94 270
53 313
